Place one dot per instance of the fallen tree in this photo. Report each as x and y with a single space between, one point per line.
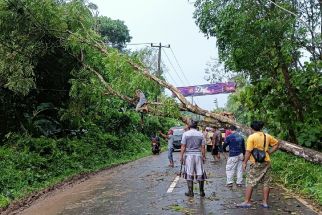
213 118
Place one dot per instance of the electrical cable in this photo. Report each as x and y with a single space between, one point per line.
173 81
136 44
174 69
181 70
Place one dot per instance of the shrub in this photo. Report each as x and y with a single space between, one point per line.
298 175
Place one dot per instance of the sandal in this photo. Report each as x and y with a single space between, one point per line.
264 206
239 185
244 205
229 185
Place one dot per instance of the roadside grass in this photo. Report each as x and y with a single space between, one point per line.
29 165
298 175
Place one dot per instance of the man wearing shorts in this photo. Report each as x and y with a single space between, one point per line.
259 173
216 143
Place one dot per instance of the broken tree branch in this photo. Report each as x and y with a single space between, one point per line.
308 154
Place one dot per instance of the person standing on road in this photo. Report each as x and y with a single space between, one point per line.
236 145
209 136
170 139
193 155
216 143
227 133
260 172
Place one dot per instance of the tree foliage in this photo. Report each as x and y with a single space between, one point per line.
45 60
277 46
114 32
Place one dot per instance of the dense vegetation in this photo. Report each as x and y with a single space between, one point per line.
57 118
300 176
57 107
273 49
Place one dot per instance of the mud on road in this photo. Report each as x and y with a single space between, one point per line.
140 187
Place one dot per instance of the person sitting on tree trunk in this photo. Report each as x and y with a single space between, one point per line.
260 170
193 147
141 106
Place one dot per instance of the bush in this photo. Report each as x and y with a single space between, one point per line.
298 174
29 164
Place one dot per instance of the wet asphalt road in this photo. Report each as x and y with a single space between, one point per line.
141 188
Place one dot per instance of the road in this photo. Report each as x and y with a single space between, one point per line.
140 187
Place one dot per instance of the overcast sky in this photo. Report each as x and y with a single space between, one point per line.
168 22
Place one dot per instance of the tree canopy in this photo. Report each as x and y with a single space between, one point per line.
114 32
276 46
48 56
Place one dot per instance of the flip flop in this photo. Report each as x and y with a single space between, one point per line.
244 205
264 205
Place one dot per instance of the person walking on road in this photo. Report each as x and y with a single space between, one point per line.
170 139
260 171
236 145
193 155
216 143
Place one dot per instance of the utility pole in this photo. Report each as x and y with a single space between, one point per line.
159 56
216 103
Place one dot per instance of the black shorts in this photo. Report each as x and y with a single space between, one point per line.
220 149
209 147
215 150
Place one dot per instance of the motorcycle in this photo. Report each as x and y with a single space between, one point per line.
155 145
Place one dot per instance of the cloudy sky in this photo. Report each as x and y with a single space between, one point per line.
168 22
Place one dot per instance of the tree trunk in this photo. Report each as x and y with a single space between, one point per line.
307 154
291 93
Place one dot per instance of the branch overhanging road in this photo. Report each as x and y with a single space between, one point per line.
306 153
142 187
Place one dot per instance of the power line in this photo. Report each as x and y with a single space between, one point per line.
181 70
170 76
39 25
174 69
137 44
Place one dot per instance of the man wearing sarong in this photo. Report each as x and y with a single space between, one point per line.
193 155
236 145
259 173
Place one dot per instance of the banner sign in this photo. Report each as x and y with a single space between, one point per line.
208 89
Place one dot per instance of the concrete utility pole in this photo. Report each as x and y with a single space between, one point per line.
216 103
159 57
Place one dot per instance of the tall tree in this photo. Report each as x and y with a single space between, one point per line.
265 40
114 32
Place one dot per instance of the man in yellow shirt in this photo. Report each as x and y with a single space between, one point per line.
260 172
